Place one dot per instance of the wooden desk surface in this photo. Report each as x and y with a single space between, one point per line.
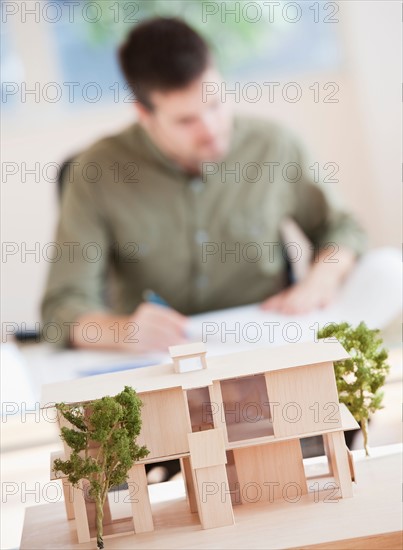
371 519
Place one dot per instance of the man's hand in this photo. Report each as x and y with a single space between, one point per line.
157 327
302 297
318 289
150 328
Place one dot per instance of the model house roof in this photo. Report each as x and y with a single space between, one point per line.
160 377
197 348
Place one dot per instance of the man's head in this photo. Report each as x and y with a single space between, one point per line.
167 64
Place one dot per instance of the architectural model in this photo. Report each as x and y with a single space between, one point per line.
235 422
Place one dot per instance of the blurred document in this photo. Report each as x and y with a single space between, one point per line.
372 293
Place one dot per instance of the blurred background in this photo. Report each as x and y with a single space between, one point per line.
342 55
62 89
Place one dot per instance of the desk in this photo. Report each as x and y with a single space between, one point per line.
371 519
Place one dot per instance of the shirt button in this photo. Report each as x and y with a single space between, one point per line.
201 236
201 282
143 250
196 185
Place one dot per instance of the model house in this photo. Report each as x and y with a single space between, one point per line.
235 422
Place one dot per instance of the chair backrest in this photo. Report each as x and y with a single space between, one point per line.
61 176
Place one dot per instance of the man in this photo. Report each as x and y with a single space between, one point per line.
166 206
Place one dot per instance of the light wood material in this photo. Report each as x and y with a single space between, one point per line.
215 506
267 455
250 431
166 423
160 377
207 460
233 481
189 483
372 519
218 413
139 499
68 498
66 486
163 458
270 472
387 541
303 400
348 423
207 448
80 514
340 462
187 350
179 355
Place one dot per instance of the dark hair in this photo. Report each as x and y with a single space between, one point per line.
162 54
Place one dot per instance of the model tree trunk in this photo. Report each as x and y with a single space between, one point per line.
364 429
110 426
99 507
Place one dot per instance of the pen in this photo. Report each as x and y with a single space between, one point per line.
154 298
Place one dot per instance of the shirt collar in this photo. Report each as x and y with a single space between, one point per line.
173 166
161 157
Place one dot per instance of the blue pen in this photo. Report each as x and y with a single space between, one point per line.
154 298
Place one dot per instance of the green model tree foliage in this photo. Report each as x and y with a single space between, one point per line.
360 378
109 427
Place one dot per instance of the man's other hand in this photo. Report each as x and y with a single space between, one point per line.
301 298
318 289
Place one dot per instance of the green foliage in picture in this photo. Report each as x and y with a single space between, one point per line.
359 379
102 438
233 35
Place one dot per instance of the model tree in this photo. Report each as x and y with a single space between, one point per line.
359 379
109 427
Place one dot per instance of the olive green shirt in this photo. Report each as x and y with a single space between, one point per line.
131 220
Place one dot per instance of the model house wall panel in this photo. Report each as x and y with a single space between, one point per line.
166 423
207 448
265 471
303 400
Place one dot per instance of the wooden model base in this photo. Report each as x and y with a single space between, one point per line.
235 422
372 519
216 480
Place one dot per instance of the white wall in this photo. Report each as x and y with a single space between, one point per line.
375 68
361 133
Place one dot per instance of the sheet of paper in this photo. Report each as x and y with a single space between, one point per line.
372 294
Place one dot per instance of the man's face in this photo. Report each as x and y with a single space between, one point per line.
189 125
